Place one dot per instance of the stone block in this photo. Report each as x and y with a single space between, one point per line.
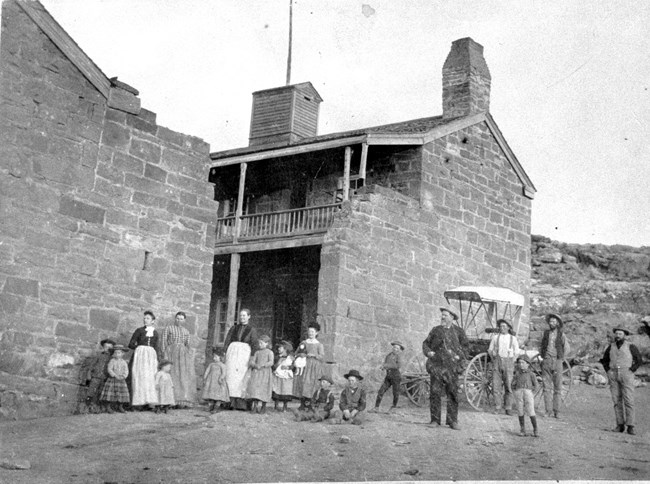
155 173
104 319
145 150
68 312
187 236
127 163
116 135
149 186
22 287
80 210
76 332
123 100
155 227
141 124
11 304
148 200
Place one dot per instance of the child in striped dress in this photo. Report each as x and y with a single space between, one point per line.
115 392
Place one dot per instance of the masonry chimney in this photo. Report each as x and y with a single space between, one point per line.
284 115
465 80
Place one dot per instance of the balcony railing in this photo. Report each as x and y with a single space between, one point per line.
284 223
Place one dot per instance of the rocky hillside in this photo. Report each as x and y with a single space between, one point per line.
593 287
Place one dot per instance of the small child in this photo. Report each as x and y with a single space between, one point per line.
115 391
97 375
260 386
323 397
301 360
283 376
215 389
392 365
524 385
353 399
164 387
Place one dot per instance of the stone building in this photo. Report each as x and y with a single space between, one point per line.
363 231
103 214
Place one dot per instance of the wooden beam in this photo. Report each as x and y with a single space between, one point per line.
269 245
364 160
346 173
239 210
224 159
235 260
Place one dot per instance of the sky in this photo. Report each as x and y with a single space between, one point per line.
570 81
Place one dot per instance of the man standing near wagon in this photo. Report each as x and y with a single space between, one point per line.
553 350
445 348
620 361
503 350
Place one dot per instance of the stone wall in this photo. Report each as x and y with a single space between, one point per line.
103 214
388 259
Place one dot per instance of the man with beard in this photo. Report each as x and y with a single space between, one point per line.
553 350
621 360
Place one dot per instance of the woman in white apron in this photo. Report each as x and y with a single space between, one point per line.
144 364
239 341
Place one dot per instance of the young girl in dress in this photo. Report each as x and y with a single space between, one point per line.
260 385
307 383
215 389
115 391
283 376
164 387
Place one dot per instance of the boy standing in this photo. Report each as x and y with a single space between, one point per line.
524 384
97 375
392 365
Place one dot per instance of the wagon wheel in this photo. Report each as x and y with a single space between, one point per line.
567 381
417 390
478 381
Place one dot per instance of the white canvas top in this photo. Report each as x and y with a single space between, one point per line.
485 293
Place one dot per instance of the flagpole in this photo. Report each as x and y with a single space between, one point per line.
290 42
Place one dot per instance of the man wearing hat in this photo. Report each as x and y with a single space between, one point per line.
392 365
445 348
620 361
353 398
553 350
503 349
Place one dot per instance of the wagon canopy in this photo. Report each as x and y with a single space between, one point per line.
481 306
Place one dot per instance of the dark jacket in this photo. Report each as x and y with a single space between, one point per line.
324 398
241 333
140 338
353 400
524 380
559 343
446 344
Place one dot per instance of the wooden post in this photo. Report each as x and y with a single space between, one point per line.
240 201
235 259
364 159
346 173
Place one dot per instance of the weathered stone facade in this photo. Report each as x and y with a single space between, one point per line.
104 214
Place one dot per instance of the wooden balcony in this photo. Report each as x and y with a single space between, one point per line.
300 222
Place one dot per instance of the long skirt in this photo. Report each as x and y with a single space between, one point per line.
115 391
260 385
237 372
282 389
145 365
183 373
306 384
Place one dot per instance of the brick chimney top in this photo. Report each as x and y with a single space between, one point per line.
465 80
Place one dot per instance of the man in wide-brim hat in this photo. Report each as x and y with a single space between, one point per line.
352 401
445 348
554 348
393 379
620 360
503 350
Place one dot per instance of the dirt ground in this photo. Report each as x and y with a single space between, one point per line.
194 446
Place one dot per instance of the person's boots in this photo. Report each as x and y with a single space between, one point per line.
377 403
108 408
254 407
276 406
533 420
630 430
212 405
522 427
120 408
263 409
284 406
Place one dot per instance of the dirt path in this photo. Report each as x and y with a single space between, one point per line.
192 446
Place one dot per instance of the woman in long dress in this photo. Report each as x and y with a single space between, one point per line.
176 348
240 340
145 363
306 384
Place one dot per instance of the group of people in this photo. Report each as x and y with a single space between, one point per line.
513 381
160 374
252 376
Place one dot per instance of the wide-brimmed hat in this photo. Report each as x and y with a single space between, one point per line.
354 373
618 328
327 379
286 345
556 316
450 311
398 344
505 321
524 357
164 363
120 347
107 340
